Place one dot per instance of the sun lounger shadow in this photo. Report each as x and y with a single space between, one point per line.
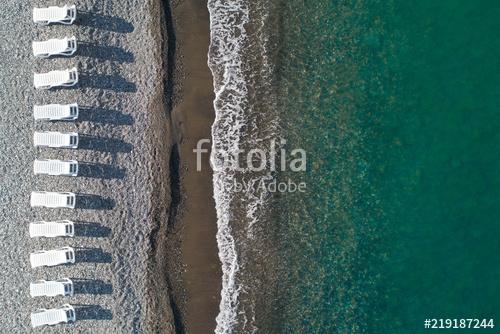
104 144
57 88
113 82
100 171
93 230
94 202
92 312
91 287
92 255
105 116
104 22
113 53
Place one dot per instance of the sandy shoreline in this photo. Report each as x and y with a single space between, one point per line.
195 285
125 186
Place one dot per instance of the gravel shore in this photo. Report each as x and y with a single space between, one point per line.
124 147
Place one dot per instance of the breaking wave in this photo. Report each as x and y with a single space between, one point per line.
246 118
227 35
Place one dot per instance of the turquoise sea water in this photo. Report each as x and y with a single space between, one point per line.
397 105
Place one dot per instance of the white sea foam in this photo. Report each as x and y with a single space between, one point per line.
230 48
227 35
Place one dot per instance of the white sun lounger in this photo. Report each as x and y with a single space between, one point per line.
53 199
64 78
53 316
55 47
56 139
55 167
60 228
53 257
56 112
61 287
54 14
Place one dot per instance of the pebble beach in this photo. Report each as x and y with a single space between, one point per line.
123 152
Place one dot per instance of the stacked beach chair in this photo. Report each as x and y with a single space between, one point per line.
66 46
